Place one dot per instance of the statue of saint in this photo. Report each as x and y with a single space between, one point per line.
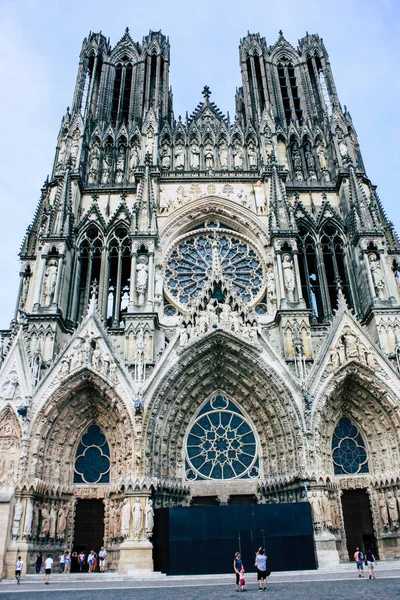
75 146
50 282
149 518
237 156
133 161
195 157
165 154
208 157
137 512
125 518
107 166
252 156
142 276
62 521
93 166
179 156
288 277
17 518
223 155
377 276
120 166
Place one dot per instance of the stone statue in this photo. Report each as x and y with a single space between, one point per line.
107 166
125 518
45 528
61 153
35 520
133 161
270 278
53 521
383 510
96 358
393 510
117 519
159 283
50 282
351 344
225 313
252 156
149 148
208 157
377 276
296 160
111 522
288 277
62 521
120 165
179 156
17 518
269 150
212 312
25 289
235 321
194 157
75 146
223 155
317 510
165 154
323 164
137 512
93 164
149 518
237 156
183 336
142 277
202 322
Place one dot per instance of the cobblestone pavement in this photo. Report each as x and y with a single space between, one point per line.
379 589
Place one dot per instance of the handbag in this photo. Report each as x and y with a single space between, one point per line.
268 572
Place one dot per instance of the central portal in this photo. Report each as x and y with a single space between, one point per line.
89 525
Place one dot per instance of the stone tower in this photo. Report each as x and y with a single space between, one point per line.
183 276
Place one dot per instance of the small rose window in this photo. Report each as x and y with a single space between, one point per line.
92 459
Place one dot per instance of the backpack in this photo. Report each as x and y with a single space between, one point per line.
360 556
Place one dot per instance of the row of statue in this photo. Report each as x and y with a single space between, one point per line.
349 347
304 163
215 314
87 351
389 509
47 521
325 507
126 520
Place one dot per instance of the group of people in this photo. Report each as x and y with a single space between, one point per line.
262 571
368 558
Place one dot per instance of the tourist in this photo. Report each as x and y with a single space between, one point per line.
39 562
359 558
48 563
90 560
237 567
81 559
102 559
68 563
62 562
74 562
242 580
18 569
261 564
370 558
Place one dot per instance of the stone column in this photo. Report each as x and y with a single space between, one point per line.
21 279
117 298
382 258
297 275
282 295
75 299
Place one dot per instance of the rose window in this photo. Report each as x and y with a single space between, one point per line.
348 449
196 258
92 459
221 444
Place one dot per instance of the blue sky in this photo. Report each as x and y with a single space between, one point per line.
40 43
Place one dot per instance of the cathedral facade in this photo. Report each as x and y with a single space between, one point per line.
208 313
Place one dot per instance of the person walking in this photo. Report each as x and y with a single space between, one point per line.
62 562
261 564
90 560
237 567
39 562
81 559
102 559
359 558
68 563
18 569
48 563
370 563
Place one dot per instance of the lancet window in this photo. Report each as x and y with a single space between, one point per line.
221 444
309 273
119 265
256 78
334 261
318 83
91 84
289 91
92 458
348 449
121 91
90 249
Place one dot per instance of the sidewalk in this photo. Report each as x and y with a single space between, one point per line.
386 569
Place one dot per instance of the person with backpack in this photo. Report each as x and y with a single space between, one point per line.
359 558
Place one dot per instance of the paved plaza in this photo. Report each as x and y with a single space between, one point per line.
316 586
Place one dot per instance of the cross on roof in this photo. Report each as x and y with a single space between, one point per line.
206 92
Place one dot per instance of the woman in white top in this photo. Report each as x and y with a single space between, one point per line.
261 564
48 563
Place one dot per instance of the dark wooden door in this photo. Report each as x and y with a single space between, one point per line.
89 525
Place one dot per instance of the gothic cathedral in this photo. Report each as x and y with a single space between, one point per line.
208 313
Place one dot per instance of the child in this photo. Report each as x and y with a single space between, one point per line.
18 568
242 580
